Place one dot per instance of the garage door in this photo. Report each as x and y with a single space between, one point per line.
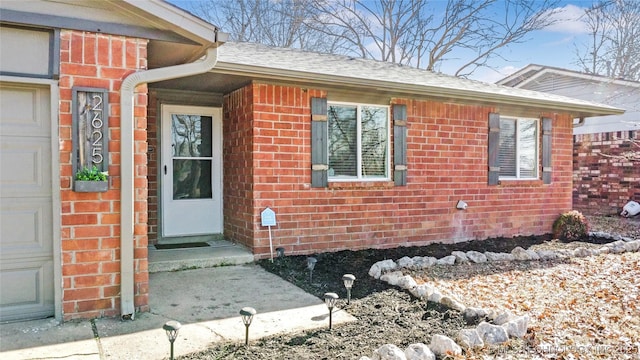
26 241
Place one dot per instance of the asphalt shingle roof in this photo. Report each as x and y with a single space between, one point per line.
293 64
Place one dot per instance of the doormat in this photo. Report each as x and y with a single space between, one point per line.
181 246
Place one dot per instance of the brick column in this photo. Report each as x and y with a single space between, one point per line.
90 221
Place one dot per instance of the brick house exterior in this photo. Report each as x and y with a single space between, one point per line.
98 266
604 178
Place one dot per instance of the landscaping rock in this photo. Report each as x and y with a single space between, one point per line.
469 338
436 296
461 257
503 318
447 260
392 278
442 345
546 255
517 327
388 352
422 291
405 262
616 247
493 256
520 254
407 282
473 315
492 334
452 303
476 257
582 252
632 245
424 262
419 352
382 267
532 254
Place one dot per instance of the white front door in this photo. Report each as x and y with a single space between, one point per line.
191 170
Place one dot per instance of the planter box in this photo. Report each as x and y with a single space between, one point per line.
90 186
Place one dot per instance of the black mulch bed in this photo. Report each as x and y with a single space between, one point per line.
385 314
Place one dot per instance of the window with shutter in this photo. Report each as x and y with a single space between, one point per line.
518 149
358 142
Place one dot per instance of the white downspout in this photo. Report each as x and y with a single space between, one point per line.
127 196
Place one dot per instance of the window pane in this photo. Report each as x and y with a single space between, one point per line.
343 145
191 135
528 151
191 179
374 141
507 156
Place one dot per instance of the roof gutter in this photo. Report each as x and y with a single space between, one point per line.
127 162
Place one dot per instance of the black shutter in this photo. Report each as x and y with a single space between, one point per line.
400 144
319 146
546 151
494 149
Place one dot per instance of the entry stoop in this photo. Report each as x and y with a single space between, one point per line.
218 253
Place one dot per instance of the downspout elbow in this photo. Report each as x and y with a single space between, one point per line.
579 123
127 195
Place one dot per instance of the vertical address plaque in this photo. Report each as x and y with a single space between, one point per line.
90 129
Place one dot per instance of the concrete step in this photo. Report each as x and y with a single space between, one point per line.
218 253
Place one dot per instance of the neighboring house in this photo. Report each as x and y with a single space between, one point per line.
349 153
604 177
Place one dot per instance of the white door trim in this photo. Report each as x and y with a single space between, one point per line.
213 225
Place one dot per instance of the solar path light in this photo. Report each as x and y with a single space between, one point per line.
330 300
171 328
247 314
348 280
311 263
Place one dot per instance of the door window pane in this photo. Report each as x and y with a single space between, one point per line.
191 179
191 135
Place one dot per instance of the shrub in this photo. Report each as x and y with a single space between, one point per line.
571 226
92 174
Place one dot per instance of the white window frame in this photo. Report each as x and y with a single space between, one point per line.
518 148
359 177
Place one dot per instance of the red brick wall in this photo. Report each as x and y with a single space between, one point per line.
267 141
238 158
603 181
91 221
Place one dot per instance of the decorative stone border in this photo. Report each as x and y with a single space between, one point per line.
502 325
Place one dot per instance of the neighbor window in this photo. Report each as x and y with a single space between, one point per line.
518 156
358 141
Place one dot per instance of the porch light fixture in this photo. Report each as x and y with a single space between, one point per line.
348 280
330 300
171 328
247 314
311 263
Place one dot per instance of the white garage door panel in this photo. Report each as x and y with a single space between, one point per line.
25 110
25 226
25 167
26 289
26 203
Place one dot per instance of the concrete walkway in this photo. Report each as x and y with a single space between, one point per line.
205 301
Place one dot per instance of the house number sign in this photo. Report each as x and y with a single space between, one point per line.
90 129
